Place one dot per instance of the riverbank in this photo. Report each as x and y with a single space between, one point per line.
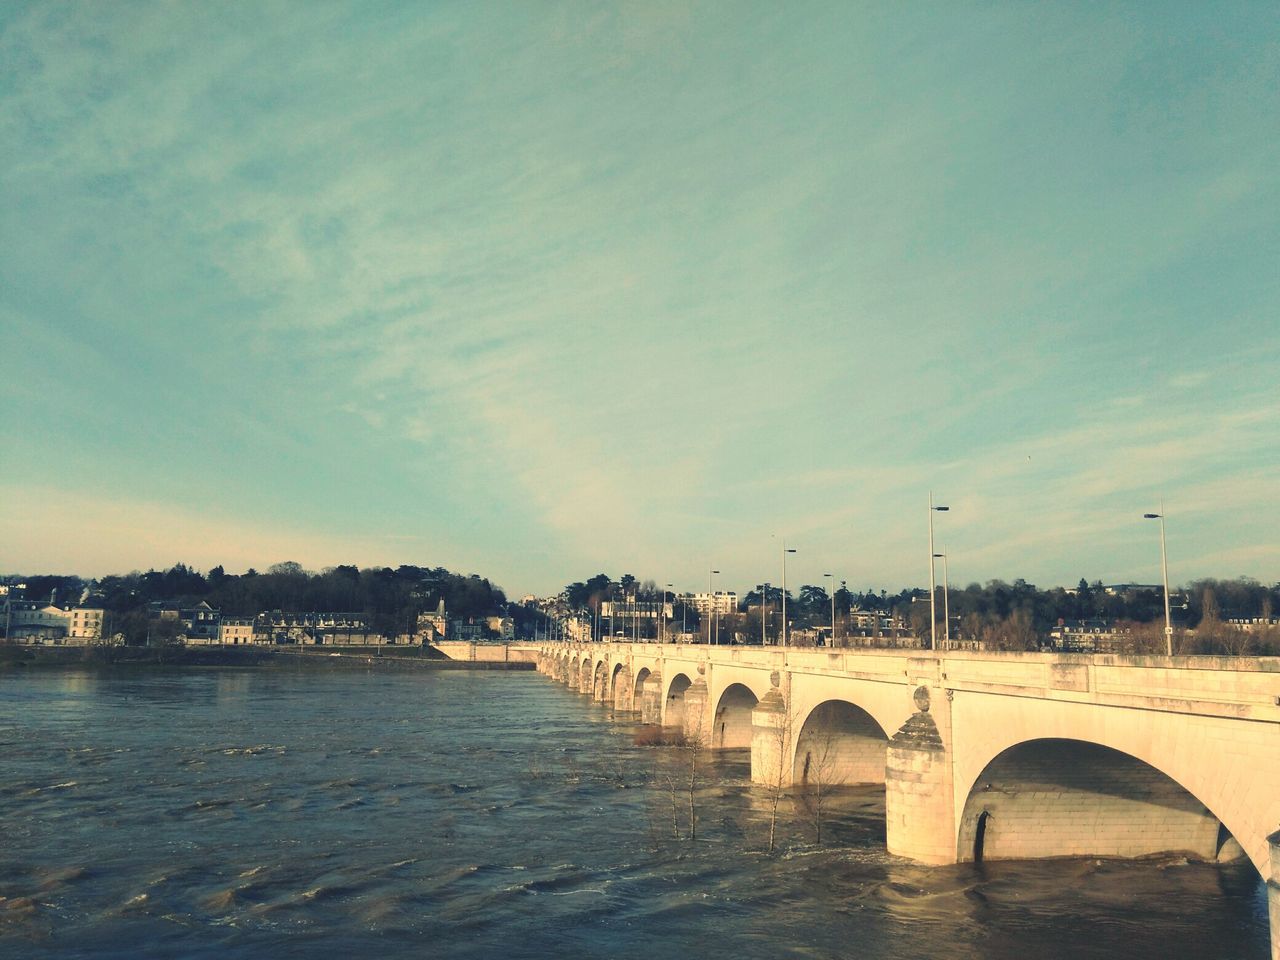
403 658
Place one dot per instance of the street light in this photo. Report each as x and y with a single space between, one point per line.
933 580
711 608
832 578
785 551
764 607
662 611
946 600
1164 571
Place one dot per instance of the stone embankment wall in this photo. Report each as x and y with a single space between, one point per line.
487 652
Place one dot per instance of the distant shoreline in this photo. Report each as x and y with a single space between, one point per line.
14 658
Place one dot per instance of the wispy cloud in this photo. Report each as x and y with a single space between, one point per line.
591 287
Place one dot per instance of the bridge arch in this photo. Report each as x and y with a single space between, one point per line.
642 677
618 668
673 708
1067 797
621 691
600 681
839 744
647 694
731 729
1137 794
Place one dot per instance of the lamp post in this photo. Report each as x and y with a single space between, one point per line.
785 551
662 611
711 608
832 578
933 580
764 613
1164 572
946 600
658 618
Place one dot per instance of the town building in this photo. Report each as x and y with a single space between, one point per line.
234 631
867 623
1253 624
1090 636
578 629
635 610
312 628
37 623
433 626
502 627
466 630
200 624
720 603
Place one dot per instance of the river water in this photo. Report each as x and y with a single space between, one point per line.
342 813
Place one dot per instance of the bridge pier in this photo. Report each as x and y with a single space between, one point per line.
696 728
1273 894
769 736
651 699
919 801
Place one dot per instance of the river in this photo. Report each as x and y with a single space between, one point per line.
286 812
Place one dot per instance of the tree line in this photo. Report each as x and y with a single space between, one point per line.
389 600
998 614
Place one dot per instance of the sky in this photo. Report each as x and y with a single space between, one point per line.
542 289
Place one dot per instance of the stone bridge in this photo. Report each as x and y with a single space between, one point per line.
984 755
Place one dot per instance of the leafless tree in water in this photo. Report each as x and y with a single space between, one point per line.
818 773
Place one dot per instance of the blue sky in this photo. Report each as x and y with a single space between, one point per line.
542 289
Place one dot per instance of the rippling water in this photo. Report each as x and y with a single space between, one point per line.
324 814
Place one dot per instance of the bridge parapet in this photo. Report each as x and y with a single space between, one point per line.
1245 688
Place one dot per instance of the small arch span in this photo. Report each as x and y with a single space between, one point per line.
646 689
1071 798
619 688
642 677
732 730
600 682
840 744
673 715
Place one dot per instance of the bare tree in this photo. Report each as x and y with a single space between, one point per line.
693 745
668 780
776 773
819 772
680 781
